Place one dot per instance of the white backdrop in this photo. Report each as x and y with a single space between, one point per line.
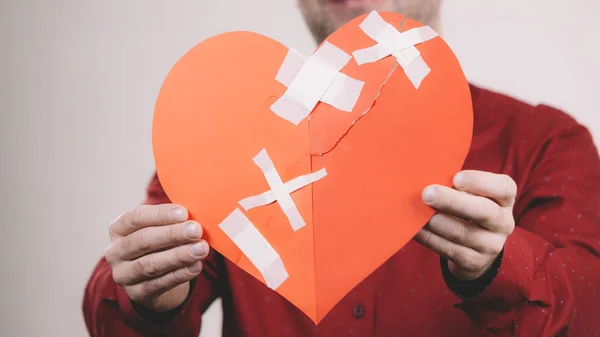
78 80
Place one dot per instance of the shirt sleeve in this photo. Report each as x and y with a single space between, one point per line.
548 281
108 311
468 289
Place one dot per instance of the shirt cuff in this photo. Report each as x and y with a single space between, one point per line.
511 284
145 319
468 289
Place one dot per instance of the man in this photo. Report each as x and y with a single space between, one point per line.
513 248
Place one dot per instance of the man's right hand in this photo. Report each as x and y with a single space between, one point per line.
154 253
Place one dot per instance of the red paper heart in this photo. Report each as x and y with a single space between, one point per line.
213 116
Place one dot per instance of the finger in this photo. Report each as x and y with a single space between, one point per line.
146 216
483 211
499 187
465 233
157 264
152 239
155 287
462 256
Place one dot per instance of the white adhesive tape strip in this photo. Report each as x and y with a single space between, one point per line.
291 186
417 71
406 57
305 180
315 79
343 93
390 41
291 66
256 248
254 201
280 192
373 24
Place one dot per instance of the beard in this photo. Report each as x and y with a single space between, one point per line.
324 17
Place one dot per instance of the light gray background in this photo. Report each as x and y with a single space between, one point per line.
78 81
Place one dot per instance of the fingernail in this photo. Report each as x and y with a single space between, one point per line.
429 194
196 267
199 249
192 230
460 180
178 214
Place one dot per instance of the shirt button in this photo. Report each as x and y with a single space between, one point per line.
358 311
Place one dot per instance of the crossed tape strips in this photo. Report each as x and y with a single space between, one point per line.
390 41
247 237
315 79
279 191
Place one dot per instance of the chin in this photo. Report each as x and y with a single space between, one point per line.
326 16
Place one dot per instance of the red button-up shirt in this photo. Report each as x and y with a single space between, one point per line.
547 281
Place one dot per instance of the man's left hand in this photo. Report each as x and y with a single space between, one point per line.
472 221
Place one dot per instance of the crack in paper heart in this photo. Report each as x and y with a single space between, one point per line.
359 116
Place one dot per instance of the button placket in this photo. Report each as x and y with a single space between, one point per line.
358 311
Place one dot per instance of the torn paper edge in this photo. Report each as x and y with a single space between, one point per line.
256 248
389 76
